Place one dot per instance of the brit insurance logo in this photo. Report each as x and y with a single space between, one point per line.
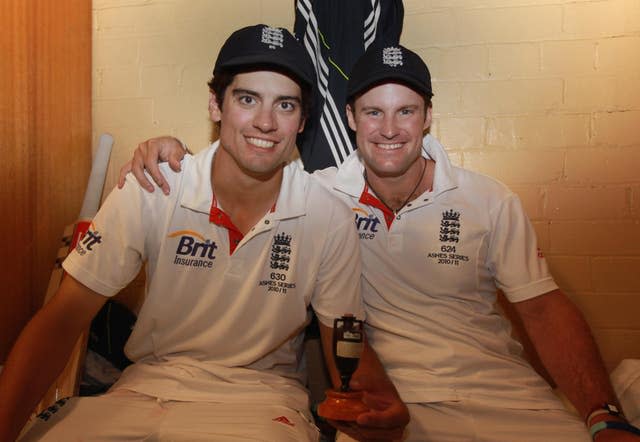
449 236
193 249
279 260
366 223
90 240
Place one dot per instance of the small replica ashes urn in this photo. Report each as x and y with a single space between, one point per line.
348 342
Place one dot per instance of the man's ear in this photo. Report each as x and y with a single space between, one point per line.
302 121
427 119
214 110
351 118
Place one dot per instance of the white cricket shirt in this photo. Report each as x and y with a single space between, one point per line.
429 285
220 326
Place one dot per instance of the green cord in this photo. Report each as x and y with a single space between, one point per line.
333 63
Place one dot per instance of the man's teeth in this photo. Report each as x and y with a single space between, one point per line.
261 143
390 146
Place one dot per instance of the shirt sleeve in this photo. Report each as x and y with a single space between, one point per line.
517 264
338 286
111 254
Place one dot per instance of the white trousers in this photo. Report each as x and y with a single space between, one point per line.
129 416
466 421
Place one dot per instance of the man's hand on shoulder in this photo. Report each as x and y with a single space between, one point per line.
147 156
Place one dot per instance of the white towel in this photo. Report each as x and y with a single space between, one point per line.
626 383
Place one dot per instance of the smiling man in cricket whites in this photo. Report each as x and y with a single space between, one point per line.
448 238
436 242
235 258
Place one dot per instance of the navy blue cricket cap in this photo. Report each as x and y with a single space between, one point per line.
382 63
262 45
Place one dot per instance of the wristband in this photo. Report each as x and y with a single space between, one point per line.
614 425
605 408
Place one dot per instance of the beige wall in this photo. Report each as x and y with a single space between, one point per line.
152 60
544 95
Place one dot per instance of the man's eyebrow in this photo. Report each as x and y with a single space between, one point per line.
289 98
242 91
378 108
366 108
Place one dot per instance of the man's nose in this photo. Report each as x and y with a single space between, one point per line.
389 127
265 120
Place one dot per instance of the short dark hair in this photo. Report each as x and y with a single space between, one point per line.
221 81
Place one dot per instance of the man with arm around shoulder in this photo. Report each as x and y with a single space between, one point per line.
437 241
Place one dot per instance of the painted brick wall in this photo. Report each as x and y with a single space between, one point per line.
541 94
152 60
545 96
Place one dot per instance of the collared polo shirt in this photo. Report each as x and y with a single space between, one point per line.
217 325
430 280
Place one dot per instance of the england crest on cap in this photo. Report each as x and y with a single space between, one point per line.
392 56
389 62
268 46
272 37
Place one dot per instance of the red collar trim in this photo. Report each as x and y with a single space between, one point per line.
369 199
219 218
